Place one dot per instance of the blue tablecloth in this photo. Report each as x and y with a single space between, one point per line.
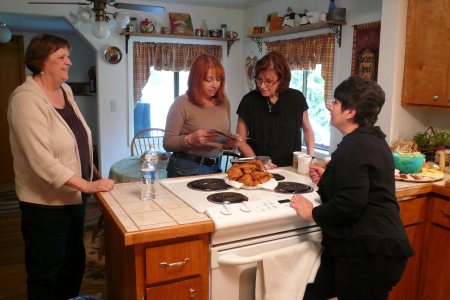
129 169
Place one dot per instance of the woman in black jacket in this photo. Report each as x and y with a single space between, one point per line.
366 246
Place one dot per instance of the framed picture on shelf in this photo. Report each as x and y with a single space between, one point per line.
181 24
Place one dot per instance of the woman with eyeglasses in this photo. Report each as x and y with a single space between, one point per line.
272 115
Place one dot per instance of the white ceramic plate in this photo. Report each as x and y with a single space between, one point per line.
416 180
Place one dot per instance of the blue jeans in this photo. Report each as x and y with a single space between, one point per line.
179 167
54 249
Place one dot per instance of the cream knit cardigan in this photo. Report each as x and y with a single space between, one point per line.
44 148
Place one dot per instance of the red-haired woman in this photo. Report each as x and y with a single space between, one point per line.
191 117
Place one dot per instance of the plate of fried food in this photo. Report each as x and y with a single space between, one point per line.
250 175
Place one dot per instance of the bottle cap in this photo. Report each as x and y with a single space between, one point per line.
223 25
441 148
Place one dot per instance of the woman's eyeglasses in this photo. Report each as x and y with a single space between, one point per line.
268 83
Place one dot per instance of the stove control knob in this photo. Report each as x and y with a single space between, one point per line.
226 210
245 207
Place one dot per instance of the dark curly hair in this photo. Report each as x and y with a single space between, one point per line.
276 61
363 95
40 48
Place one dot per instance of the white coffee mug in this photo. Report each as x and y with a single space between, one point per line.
303 164
323 17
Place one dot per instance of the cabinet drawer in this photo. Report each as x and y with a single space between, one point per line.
441 212
181 290
413 210
174 261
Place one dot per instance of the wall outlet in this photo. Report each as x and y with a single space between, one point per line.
113 105
400 134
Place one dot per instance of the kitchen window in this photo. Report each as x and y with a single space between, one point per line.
311 84
157 93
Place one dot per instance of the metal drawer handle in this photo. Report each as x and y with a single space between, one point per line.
181 263
435 98
192 293
445 213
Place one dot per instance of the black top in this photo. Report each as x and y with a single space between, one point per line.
360 213
277 133
68 114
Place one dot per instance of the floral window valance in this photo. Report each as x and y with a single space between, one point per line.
305 52
167 57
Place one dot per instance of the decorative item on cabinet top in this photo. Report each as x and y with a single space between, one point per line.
230 41
334 25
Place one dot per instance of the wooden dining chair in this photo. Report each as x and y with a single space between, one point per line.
99 223
146 138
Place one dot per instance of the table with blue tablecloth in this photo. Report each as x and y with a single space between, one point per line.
129 169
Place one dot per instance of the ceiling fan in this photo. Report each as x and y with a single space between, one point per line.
98 15
100 5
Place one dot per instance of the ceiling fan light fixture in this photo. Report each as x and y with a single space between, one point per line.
73 18
5 33
86 15
122 17
101 29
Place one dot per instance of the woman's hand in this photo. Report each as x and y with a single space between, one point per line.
315 173
234 144
101 185
303 207
270 165
200 137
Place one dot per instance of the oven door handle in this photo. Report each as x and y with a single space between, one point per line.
234 260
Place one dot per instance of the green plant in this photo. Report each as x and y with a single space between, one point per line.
422 139
440 138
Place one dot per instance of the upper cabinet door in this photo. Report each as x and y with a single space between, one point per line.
426 80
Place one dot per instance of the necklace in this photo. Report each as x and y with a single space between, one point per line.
270 104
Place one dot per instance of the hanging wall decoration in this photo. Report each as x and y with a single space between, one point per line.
366 45
250 63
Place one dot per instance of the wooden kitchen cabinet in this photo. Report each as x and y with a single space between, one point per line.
175 269
413 214
436 267
427 57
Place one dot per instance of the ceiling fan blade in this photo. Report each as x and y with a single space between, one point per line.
76 3
149 8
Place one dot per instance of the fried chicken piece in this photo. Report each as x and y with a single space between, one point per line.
246 180
264 179
234 173
259 165
248 168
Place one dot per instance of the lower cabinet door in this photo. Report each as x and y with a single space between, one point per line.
180 290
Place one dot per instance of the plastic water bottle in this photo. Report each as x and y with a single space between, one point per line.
155 159
148 179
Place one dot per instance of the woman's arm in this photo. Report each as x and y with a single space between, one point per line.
242 131
309 133
79 184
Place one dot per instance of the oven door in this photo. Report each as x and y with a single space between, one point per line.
233 265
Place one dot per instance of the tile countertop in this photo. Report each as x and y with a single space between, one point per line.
165 217
169 217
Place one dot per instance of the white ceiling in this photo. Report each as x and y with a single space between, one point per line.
38 23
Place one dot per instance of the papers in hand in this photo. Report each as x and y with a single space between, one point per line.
223 137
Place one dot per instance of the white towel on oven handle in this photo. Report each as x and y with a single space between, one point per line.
284 273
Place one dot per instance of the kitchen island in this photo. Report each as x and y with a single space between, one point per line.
160 249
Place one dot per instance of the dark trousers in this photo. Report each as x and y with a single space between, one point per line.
364 276
54 250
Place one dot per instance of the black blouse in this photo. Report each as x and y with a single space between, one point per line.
360 213
274 130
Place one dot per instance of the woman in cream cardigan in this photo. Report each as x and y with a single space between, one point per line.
52 151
